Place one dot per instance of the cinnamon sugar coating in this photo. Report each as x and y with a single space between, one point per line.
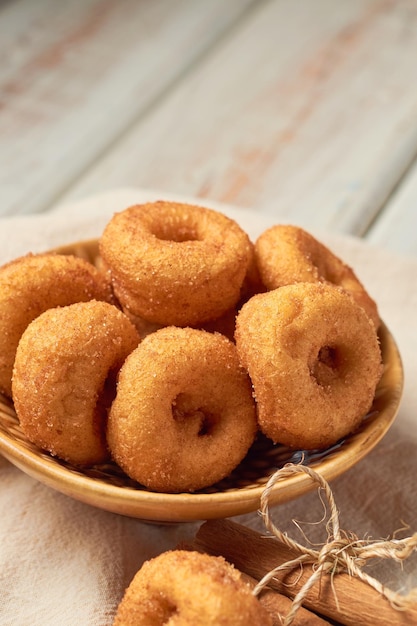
189 589
175 264
184 416
288 254
32 284
64 378
313 357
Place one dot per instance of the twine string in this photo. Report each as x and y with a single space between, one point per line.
341 552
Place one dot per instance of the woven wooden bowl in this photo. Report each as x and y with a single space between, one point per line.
107 487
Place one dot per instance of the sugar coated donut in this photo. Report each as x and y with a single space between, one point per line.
175 264
184 415
32 284
64 378
314 360
288 254
189 589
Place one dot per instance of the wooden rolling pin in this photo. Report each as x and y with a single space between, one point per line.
344 599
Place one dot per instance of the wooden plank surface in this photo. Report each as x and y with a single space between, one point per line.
300 109
396 228
76 75
306 111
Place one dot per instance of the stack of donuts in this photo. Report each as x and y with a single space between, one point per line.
184 343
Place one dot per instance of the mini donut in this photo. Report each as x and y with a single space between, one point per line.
32 284
64 378
175 264
314 359
189 588
288 254
183 417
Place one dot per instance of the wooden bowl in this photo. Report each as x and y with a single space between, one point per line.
108 488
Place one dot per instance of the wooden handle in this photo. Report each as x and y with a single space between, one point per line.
348 600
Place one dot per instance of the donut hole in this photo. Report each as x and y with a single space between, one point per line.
328 365
164 610
188 412
177 232
206 425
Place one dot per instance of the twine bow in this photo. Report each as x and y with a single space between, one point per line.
341 553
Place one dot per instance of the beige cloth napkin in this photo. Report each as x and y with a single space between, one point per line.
64 562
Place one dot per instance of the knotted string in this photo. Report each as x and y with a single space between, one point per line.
341 553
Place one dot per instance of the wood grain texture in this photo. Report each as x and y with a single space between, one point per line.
396 227
343 598
306 111
75 76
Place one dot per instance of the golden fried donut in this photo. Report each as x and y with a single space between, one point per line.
288 254
32 284
189 588
64 378
175 264
183 416
314 360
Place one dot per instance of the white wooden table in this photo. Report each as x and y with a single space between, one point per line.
305 109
